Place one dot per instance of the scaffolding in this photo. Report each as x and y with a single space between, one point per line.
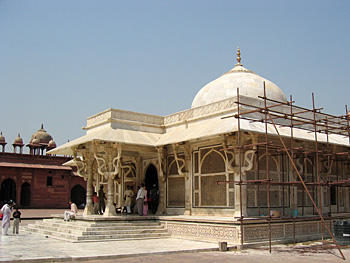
273 114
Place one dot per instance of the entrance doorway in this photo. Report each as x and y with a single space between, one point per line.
151 178
8 190
78 194
25 194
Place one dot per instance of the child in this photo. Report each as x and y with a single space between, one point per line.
16 220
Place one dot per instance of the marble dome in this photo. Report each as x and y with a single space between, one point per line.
249 83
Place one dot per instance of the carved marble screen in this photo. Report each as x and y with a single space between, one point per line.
209 167
279 195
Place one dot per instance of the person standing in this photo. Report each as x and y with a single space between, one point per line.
16 220
140 198
128 196
73 211
6 210
102 197
96 202
154 195
145 203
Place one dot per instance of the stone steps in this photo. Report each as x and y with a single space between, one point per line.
105 226
83 231
98 230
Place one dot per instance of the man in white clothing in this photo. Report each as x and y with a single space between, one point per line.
6 210
73 211
128 196
140 198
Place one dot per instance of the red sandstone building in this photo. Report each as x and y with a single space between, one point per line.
37 180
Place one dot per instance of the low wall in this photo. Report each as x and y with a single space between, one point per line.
253 232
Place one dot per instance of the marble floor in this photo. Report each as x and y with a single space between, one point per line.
38 248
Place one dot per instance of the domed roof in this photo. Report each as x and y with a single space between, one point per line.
249 83
18 140
42 136
35 142
52 144
2 138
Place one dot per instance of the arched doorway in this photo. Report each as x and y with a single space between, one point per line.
78 194
8 190
151 178
25 194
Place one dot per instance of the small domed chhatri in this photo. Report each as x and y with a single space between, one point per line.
35 142
42 135
249 83
52 144
18 140
2 138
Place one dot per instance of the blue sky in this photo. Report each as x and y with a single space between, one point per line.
63 61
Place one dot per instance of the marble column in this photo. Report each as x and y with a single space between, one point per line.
188 181
84 169
89 207
246 160
108 157
240 190
110 208
162 181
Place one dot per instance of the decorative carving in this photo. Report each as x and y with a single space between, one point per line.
178 161
107 165
161 162
82 162
233 162
115 114
201 111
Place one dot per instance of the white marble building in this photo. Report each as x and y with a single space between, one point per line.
186 153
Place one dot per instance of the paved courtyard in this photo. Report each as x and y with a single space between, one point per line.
38 248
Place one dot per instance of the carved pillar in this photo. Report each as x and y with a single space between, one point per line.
120 194
233 160
162 181
188 180
84 169
183 168
240 190
89 208
108 157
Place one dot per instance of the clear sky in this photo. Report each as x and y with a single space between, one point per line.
63 61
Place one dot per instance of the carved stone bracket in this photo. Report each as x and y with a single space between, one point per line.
228 160
161 162
80 163
180 162
108 164
233 163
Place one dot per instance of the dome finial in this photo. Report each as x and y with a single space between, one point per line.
238 57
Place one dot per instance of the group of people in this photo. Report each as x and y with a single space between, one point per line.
5 213
140 203
99 201
143 199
